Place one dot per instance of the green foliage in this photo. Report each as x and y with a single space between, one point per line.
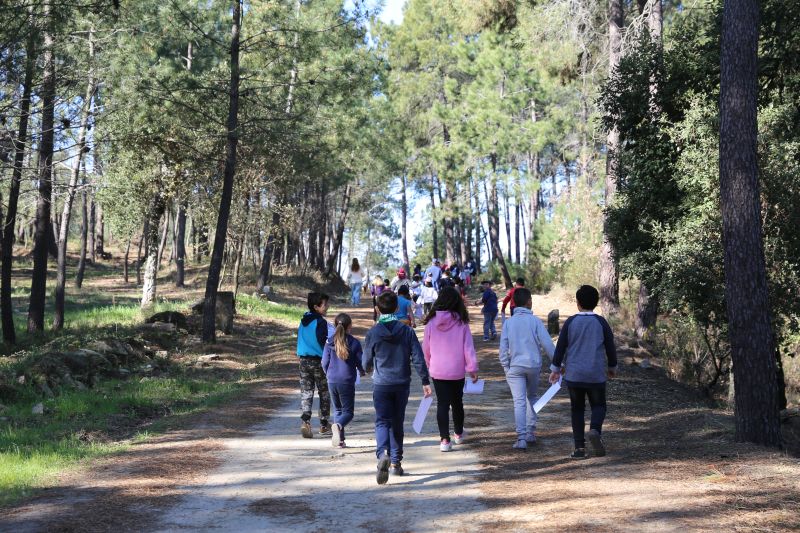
665 223
79 425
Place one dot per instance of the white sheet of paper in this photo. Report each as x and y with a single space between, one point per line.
473 388
422 412
547 396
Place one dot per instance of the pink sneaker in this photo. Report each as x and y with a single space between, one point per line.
458 439
445 446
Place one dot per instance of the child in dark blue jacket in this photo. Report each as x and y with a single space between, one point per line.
340 361
390 348
311 338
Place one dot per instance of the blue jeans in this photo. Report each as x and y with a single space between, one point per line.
488 323
355 293
523 383
343 396
390 412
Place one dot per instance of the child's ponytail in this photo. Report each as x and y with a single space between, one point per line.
343 323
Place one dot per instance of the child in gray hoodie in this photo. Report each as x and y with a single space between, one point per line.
585 342
521 343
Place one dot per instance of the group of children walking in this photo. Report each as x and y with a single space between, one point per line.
330 365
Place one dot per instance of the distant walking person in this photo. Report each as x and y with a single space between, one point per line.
378 287
341 360
449 354
585 343
489 302
356 280
311 338
521 343
434 272
428 295
509 299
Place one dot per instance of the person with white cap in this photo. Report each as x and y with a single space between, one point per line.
434 272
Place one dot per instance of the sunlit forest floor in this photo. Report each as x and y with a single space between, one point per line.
116 456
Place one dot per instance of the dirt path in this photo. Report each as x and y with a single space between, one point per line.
672 466
274 480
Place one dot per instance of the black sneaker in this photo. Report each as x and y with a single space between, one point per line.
397 470
598 448
578 453
383 469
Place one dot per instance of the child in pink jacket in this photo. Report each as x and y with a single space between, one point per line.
449 354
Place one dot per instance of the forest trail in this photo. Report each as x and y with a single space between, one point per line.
672 466
274 480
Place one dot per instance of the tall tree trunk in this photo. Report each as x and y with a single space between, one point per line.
162 243
434 228
84 234
337 240
6 306
517 217
127 259
494 223
142 239
476 194
45 193
209 305
507 215
99 228
746 290
609 277
154 214
92 228
180 245
404 219
648 304
269 250
61 279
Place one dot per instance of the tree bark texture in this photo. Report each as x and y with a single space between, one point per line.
434 228
609 277
154 214
66 214
180 246
746 291
84 236
404 219
45 192
6 306
493 210
339 236
209 305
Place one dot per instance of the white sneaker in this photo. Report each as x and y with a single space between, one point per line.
458 439
445 446
520 445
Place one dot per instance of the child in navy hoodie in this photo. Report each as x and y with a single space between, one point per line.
391 347
311 337
340 361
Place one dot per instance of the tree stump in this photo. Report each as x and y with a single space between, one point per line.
552 322
224 311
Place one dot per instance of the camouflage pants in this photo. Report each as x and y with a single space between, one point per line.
311 376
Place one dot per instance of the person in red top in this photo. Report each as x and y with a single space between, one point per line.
509 299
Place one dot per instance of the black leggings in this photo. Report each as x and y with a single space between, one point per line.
449 393
597 401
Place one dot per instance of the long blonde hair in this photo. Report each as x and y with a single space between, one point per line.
342 323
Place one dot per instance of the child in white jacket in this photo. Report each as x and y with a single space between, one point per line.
522 339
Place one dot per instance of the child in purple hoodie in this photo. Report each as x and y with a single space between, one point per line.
449 354
341 360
